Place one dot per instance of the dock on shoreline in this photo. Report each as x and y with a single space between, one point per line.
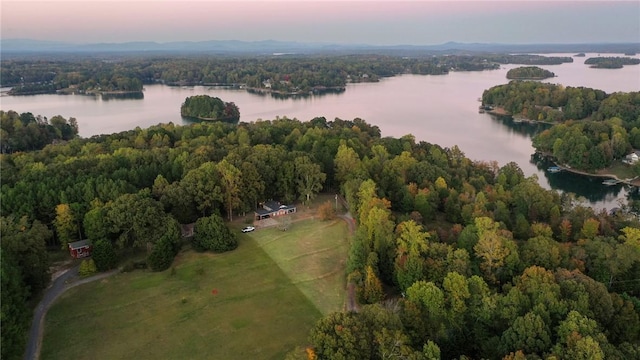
614 179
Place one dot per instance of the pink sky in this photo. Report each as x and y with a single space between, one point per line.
373 22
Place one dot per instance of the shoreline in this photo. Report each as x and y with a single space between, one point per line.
632 182
223 119
531 78
318 90
499 111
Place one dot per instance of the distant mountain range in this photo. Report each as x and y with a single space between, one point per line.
270 47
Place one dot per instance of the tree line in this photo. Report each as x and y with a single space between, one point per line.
482 264
24 132
486 258
285 73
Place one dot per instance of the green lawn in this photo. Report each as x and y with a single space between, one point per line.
313 255
270 292
622 171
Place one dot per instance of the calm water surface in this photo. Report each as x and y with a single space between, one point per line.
438 109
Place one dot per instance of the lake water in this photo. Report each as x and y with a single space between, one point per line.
438 109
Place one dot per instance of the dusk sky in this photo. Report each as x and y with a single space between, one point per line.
364 22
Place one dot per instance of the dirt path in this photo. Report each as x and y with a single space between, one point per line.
62 283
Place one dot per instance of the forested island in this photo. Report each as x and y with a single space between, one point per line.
205 107
491 265
611 62
280 75
592 129
529 73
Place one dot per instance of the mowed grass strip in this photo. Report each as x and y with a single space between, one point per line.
313 255
257 312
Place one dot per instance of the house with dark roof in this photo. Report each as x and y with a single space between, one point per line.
273 209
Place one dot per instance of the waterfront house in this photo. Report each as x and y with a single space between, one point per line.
631 158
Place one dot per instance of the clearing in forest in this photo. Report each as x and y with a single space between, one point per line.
258 301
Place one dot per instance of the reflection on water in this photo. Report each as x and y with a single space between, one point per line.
588 187
194 120
297 95
122 96
528 129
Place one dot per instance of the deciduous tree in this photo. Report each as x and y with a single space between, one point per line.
411 244
231 180
528 333
204 187
66 225
104 255
348 165
166 248
372 292
210 233
309 178
136 220
342 335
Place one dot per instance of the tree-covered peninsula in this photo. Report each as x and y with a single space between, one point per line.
611 62
556 103
205 107
591 128
529 73
491 265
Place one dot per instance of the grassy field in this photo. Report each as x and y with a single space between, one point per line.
313 255
269 293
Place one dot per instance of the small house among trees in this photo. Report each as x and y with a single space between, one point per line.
631 158
273 209
80 249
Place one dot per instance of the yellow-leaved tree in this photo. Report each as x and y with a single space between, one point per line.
65 224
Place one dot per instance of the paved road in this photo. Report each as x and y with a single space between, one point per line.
61 284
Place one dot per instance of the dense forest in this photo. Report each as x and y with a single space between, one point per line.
529 73
23 132
611 62
284 74
205 107
592 128
458 259
589 145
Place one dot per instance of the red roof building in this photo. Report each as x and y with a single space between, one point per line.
80 249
